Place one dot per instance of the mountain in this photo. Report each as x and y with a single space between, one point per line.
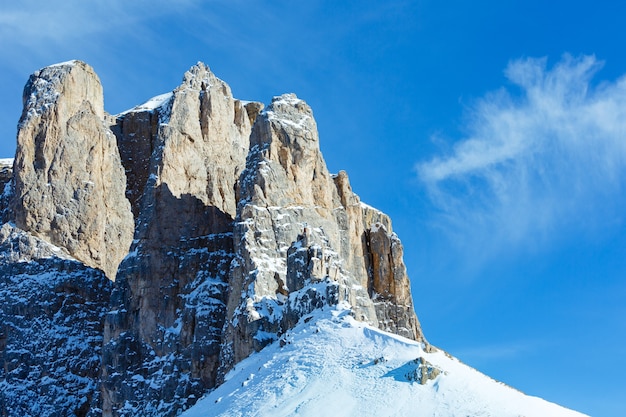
148 257
331 364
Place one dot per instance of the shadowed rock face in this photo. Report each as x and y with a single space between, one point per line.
6 189
69 181
51 327
239 231
163 336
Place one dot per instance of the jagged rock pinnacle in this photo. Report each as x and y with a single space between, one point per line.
69 182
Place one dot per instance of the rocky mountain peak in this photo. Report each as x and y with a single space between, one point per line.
62 88
69 183
199 77
226 225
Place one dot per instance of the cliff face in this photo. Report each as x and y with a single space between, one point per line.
163 335
51 327
239 232
302 238
68 181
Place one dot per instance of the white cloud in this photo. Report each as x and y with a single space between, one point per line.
547 160
48 28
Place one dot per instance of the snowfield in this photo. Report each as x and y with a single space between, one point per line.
332 365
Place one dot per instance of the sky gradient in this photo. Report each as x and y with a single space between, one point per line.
493 133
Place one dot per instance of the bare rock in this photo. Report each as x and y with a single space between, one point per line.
6 171
253 108
69 182
136 133
6 189
421 371
183 153
300 239
51 326
390 287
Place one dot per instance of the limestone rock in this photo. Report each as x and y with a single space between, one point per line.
183 153
51 326
240 231
421 371
6 189
69 182
6 172
390 286
136 133
300 238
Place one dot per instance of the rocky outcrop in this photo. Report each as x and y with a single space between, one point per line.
51 326
421 371
239 232
69 183
390 288
298 227
183 153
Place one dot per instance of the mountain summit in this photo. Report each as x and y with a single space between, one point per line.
146 258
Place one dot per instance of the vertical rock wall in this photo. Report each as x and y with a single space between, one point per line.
239 231
184 157
6 189
298 226
69 181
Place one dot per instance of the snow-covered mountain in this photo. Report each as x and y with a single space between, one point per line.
197 245
330 364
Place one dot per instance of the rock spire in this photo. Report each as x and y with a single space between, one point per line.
69 183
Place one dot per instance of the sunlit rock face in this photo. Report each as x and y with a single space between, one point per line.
303 240
69 183
184 153
217 218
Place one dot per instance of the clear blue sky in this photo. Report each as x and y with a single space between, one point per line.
493 133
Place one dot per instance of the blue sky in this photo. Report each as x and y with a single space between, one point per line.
492 132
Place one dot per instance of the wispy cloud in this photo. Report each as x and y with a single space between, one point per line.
30 20
37 28
547 157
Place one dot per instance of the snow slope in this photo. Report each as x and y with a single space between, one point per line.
332 365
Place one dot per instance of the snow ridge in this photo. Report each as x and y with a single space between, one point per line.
331 364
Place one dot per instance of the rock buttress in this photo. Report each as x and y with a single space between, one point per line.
301 237
163 335
68 178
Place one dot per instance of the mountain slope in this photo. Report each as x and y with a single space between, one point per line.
330 364
247 255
